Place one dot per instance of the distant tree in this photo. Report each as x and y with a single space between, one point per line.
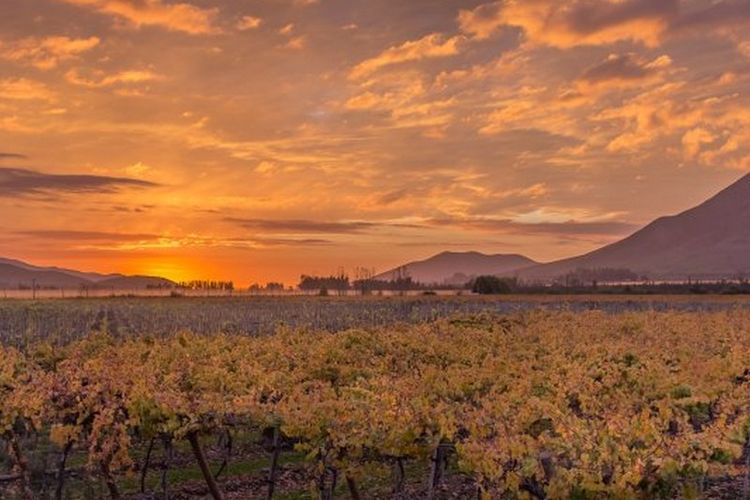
492 285
364 280
338 283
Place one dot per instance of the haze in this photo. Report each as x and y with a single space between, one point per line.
259 140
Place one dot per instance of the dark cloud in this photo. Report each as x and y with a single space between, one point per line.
304 226
16 182
63 235
288 242
12 156
618 67
570 228
591 16
719 14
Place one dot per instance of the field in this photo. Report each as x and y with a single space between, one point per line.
417 397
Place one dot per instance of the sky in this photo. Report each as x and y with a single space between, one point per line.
256 140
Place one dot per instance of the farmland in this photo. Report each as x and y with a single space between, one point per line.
418 397
61 321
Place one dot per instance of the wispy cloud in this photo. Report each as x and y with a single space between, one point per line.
100 79
183 17
428 47
568 228
24 89
16 182
46 52
574 23
249 23
87 236
302 226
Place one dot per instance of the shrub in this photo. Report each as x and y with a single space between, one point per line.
491 285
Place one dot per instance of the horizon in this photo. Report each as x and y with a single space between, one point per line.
258 142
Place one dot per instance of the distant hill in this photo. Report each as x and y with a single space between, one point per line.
458 267
17 274
709 241
86 276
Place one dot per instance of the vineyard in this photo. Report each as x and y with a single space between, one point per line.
24 322
545 404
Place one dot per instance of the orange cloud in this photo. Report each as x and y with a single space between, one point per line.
694 139
47 52
122 77
570 24
249 23
24 89
430 46
173 16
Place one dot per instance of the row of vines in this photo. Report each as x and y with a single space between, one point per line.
543 405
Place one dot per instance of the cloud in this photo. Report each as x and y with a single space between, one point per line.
287 30
47 52
248 23
720 14
12 156
296 43
694 139
88 236
568 228
624 68
430 46
290 242
183 17
17 182
303 226
574 23
123 77
23 89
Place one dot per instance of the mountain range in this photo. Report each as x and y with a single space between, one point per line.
15 274
710 241
457 268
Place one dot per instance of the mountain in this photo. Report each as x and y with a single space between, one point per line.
709 241
17 274
86 276
458 268
14 277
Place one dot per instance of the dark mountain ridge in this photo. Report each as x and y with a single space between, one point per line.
457 267
710 241
18 274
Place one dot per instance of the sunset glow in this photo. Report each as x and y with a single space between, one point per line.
259 140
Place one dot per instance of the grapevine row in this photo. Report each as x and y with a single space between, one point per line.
537 404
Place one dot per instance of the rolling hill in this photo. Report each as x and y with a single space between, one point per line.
710 241
17 274
457 267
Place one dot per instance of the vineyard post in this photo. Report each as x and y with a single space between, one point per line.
434 466
168 452
274 462
200 457
352 484
746 479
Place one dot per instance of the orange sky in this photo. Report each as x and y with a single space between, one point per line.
258 140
